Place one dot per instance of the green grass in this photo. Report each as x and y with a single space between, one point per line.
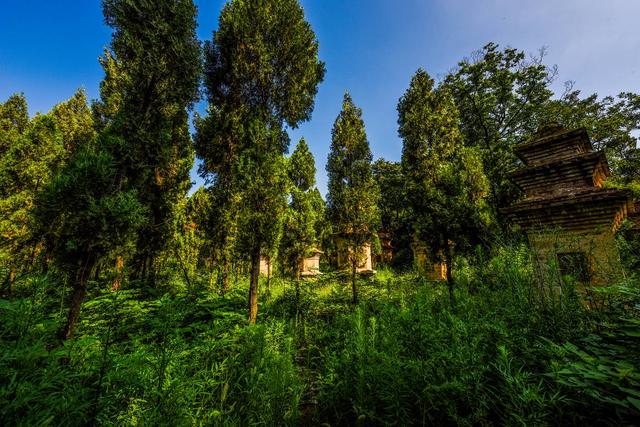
403 356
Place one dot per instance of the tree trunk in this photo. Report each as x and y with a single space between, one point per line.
117 280
268 286
224 274
211 274
447 260
46 258
151 279
79 292
185 273
143 273
11 281
253 285
354 287
297 289
96 273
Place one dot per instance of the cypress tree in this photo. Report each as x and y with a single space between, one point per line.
261 74
352 202
299 233
446 185
152 77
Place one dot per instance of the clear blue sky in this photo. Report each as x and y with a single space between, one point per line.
371 47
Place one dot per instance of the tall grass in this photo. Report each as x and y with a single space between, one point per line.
505 354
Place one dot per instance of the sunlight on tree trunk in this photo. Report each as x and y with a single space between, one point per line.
253 285
354 286
79 292
117 280
450 284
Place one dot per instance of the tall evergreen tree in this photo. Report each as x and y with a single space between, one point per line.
35 150
299 233
395 213
262 72
84 217
352 202
446 185
152 77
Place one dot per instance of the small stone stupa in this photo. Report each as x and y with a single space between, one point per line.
365 266
265 265
386 255
310 266
569 218
425 263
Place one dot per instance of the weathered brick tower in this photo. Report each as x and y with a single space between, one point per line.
569 218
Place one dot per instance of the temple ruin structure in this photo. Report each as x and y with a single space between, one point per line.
365 266
386 246
265 266
569 218
310 266
426 264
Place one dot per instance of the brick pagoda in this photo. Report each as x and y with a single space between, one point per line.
569 218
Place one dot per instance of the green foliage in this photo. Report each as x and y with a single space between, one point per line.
601 367
395 212
299 232
610 122
446 185
81 212
504 355
36 150
261 73
152 78
352 201
264 57
74 121
501 96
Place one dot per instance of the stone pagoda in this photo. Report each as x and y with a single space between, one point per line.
310 266
433 268
569 218
364 267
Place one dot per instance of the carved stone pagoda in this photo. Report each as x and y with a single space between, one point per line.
433 268
569 218
365 266
310 266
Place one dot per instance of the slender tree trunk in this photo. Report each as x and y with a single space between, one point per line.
226 265
354 287
211 273
152 271
297 288
97 271
46 258
143 273
268 287
448 262
117 280
79 292
185 273
253 285
11 281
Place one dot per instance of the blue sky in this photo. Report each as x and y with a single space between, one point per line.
371 47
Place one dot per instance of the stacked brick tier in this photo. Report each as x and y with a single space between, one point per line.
562 179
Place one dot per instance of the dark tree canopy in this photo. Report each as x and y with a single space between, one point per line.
352 201
501 96
395 213
446 185
261 74
151 80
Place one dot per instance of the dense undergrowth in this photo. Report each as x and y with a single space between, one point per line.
503 355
